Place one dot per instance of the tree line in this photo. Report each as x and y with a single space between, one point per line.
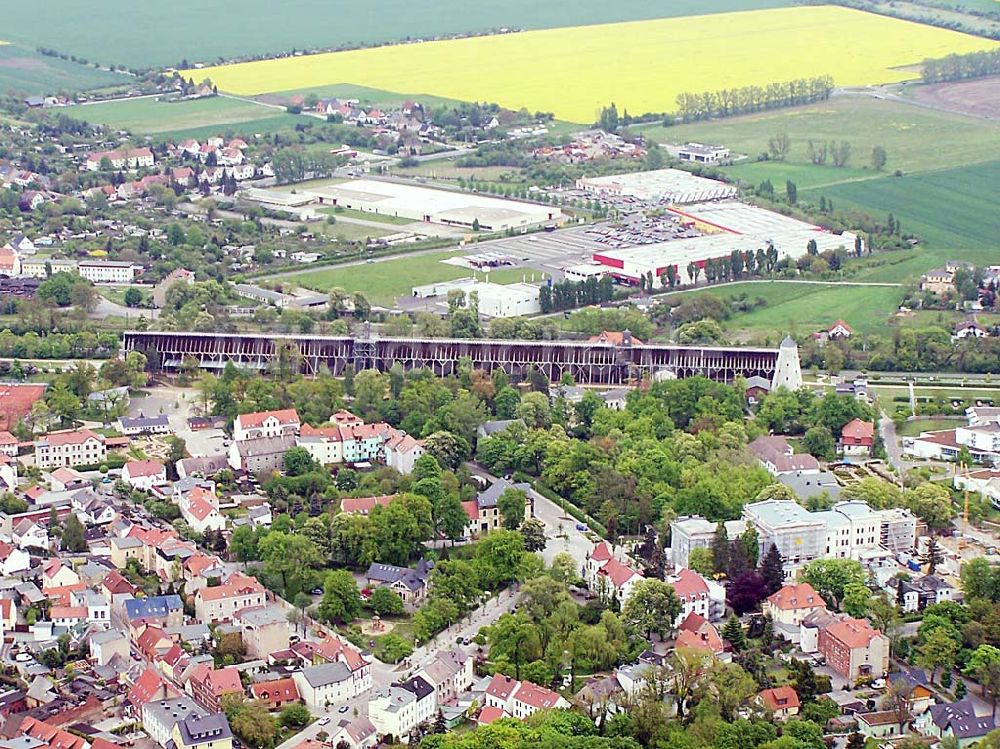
732 101
961 67
568 294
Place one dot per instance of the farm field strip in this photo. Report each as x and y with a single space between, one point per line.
150 116
587 62
163 34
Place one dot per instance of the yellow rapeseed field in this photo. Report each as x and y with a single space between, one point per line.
640 65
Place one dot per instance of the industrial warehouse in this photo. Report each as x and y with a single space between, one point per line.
726 226
451 208
658 186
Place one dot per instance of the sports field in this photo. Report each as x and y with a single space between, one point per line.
385 280
575 71
150 33
949 209
29 72
152 116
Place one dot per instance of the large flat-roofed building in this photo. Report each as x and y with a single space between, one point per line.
659 186
449 207
727 225
495 300
699 153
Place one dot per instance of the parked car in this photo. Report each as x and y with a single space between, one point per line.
582 527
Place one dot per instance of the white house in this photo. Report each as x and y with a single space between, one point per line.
693 593
78 447
200 511
13 559
144 474
519 699
402 707
402 451
266 424
608 577
325 685
28 534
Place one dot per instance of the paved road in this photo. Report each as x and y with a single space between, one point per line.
893 449
107 308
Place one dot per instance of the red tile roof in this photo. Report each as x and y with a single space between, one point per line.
618 573
854 633
199 508
801 596
138 468
614 337
256 419
536 696
147 687
236 585
364 505
601 552
501 687
16 402
278 690
74 437
689 585
488 715
471 508
779 698
54 738
858 429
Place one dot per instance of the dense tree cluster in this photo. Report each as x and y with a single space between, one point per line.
728 102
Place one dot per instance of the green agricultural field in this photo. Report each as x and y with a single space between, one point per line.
27 72
152 116
906 266
145 34
805 307
384 280
952 209
915 139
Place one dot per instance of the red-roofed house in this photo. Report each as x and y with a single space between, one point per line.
793 603
783 702
364 505
56 574
857 437
266 424
692 591
221 602
616 338
148 687
277 693
839 329
608 577
144 474
200 512
208 685
854 649
324 444
520 698
49 735
698 633
73 448
8 444
153 642
489 714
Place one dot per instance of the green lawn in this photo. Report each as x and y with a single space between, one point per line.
153 116
915 139
148 33
382 218
801 308
952 208
348 232
906 266
383 281
915 427
28 72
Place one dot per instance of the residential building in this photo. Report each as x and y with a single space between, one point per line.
106 645
359 733
276 693
484 516
47 736
697 633
364 505
73 448
690 532
221 602
160 716
149 687
790 605
918 594
519 699
781 702
199 508
857 438
108 271
128 158
410 584
881 724
261 454
607 577
958 720
203 732
914 685
777 456
264 630
324 444
326 684
450 673
692 592
854 649
144 474
266 424
136 425
13 559
165 611
338 650
402 707
938 281
402 451
799 536
209 685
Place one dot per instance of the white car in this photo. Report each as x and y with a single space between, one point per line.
322 721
